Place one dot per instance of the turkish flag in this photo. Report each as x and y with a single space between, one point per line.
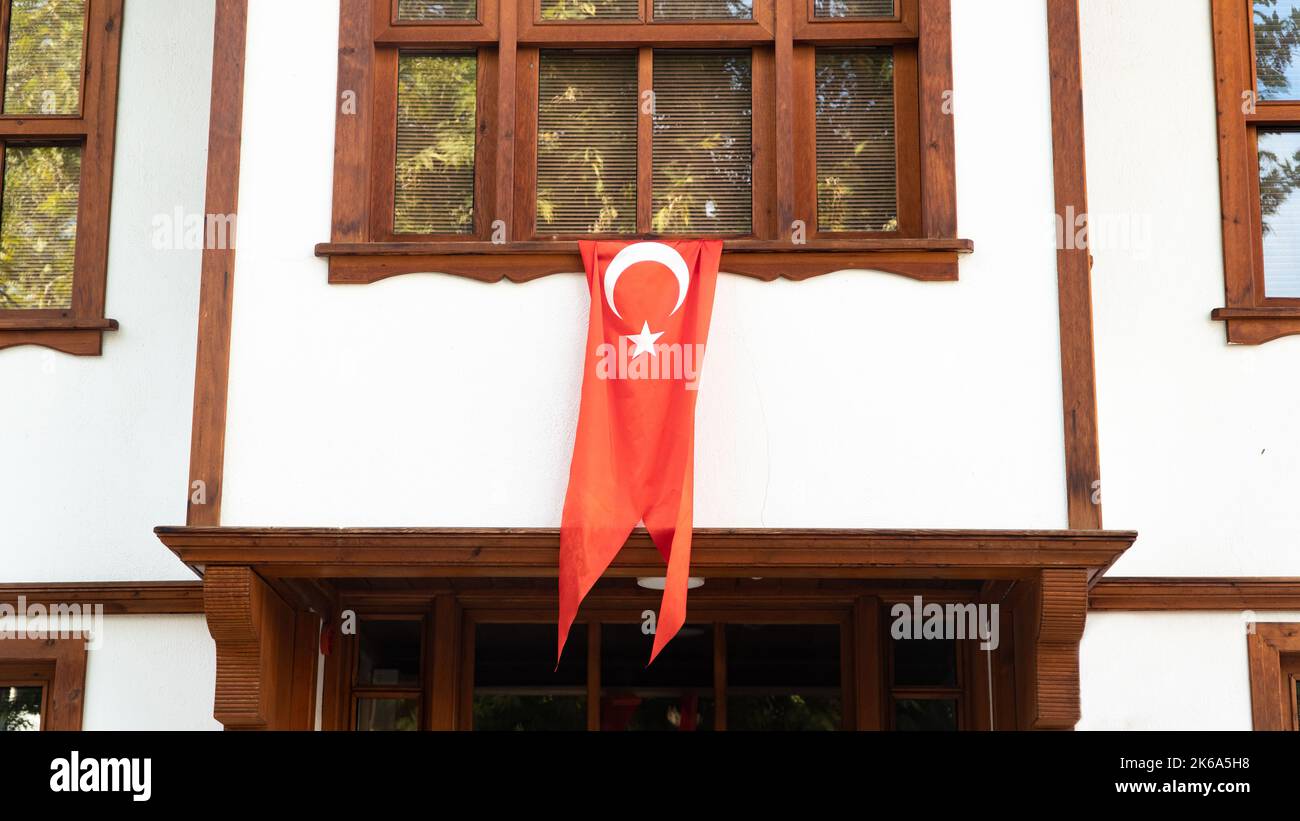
634 457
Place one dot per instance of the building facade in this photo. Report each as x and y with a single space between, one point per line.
299 416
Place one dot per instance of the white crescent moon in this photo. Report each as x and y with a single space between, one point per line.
647 252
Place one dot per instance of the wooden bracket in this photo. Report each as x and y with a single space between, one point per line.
266 665
1047 647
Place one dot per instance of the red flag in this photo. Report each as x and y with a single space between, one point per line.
634 457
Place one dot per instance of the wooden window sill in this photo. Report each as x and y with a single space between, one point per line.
1255 326
79 337
360 263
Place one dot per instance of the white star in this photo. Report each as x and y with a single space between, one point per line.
645 341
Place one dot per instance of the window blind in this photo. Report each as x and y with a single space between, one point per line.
1277 36
591 9
853 8
704 9
436 109
856 159
1279 176
702 149
420 10
586 142
43 71
38 226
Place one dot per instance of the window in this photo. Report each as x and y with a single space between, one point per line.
42 682
483 137
388 689
56 126
756 655
21 705
1256 43
1274 654
925 686
713 676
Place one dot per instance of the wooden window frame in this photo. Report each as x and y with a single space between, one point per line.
1274 653
77 330
1252 317
451 612
508 38
358 691
58 666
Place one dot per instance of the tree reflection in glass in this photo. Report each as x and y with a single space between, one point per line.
43 66
586 142
588 9
1279 175
38 226
20 709
703 165
436 111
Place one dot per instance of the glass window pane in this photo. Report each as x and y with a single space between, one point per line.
20 709
390 653
436 116
1279 175
422 10
783 677
857 166
516 685
853 8
43 74
925 662
38 226
591 9
913 715
1277 33
702 143
586 143
388 714
704 9
675 693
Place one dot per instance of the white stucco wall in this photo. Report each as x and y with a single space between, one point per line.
1167 671
94 452
151 673
857 399
1200 444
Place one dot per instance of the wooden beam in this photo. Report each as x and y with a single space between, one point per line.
216 291
1163 594
532 553
1078 369
117 598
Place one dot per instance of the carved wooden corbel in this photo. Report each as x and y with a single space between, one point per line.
255 634
1047 643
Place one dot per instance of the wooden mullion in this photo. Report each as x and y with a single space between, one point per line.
524 184
764 216
869 663
445 653
593 676
720 676
785 128
803 146
383 146
909 185
488 154
507 76
645 140
469 647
